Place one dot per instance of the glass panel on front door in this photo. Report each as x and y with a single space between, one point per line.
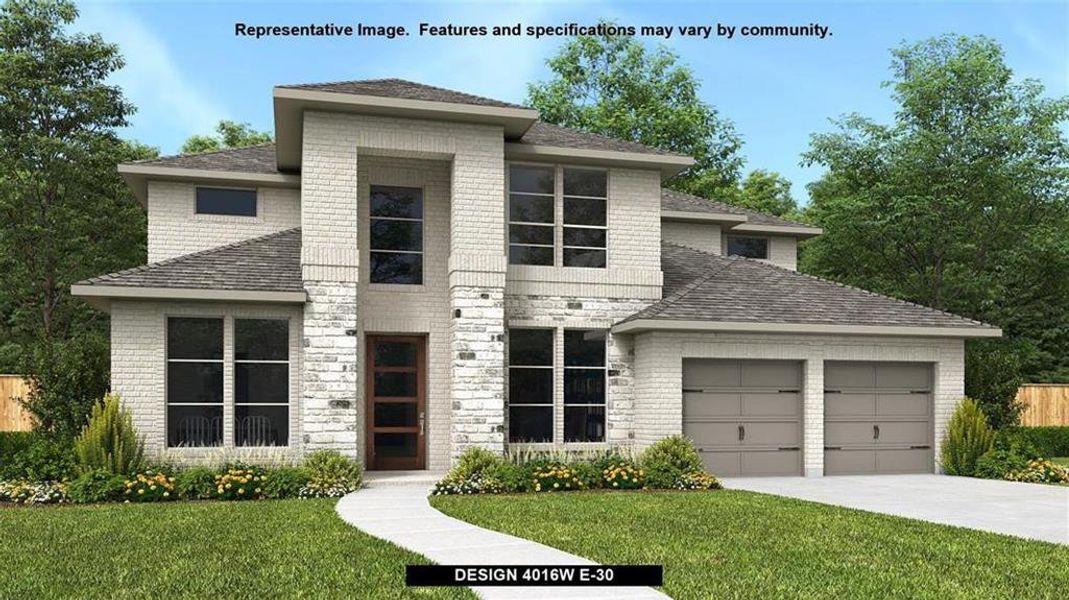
396 396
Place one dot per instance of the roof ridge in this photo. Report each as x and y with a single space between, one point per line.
790 272
400 80
205 153
174 259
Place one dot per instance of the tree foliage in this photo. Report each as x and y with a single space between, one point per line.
65 214
960 203
767 192
615 86
230 134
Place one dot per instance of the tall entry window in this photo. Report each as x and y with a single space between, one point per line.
584 386
396 240
530 385
194 382
261 382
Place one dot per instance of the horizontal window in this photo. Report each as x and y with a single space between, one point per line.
530 209
531 255
531 347
261 339
531 234
261 425
223 201
392 267
189 338
530 385
584 257
585 182
194 426
578 236
584 211
530 424
535 180
749 247
261 383
195 382
396 235
397 202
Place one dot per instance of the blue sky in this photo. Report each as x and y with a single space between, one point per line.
186 69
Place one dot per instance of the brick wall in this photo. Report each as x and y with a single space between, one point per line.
174 229
710 237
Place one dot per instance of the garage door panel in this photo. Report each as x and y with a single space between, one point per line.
770 404
698 405
772 462
710 373
849 375
770 374
903 404
911 376
713 434
849 462
848 433
914 433
771 434
723 464
850 404
904 461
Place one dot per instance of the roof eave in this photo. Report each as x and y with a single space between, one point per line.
92 291
290 104
137 177
798 231
702 217
668 164
640 325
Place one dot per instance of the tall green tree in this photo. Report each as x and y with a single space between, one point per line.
615 86
768 192
64 212
960 203
230 134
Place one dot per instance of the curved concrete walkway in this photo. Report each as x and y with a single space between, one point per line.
400 513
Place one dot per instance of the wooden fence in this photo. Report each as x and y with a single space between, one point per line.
1044 404
13 417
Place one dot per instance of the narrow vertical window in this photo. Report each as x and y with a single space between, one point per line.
261 382
531 215
530 385
585 220
396 240
584 386
194 382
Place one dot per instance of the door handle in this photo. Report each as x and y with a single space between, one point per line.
875 432
422 421
742 433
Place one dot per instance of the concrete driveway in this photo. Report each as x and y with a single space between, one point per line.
1027 510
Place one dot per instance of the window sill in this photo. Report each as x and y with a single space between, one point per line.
397 287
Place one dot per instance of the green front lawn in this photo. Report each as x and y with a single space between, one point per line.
735 544
270 549
1061 460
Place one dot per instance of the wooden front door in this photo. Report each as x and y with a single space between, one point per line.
396 402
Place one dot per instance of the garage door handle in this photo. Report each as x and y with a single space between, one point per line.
918 391
833 447
789 391
742 433
788 448
875 432
833 391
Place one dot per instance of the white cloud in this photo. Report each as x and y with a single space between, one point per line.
166 99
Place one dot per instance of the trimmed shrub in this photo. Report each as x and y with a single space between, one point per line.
511 477
996 463
97 486
474 460
38 457
240 483
331 475
967 438
665 461
285 482
195 483
109 441
14 442
149 486
1045 441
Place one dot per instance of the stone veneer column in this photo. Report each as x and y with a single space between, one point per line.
477 265
330 268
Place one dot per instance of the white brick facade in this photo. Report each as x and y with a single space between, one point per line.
710 237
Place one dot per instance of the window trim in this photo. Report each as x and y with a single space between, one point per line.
245 361
767 240
257 216
558 213
167 404
422 235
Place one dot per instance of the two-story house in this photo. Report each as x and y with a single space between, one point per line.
409 271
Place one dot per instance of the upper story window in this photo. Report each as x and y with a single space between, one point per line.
226 201
396 239
750 247
531 215
585 222
535 200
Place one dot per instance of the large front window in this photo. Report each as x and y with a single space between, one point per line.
747 246
584 386
396 235
258 367
578 237
530 385
194 382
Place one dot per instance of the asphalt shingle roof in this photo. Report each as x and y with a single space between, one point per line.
250 159
400 88
271 263
708 287
679 201
546 134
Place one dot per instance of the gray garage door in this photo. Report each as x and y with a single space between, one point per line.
744 415
877 418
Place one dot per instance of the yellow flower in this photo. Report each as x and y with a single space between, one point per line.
140 491
151 487
166 494
241 491
220 489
